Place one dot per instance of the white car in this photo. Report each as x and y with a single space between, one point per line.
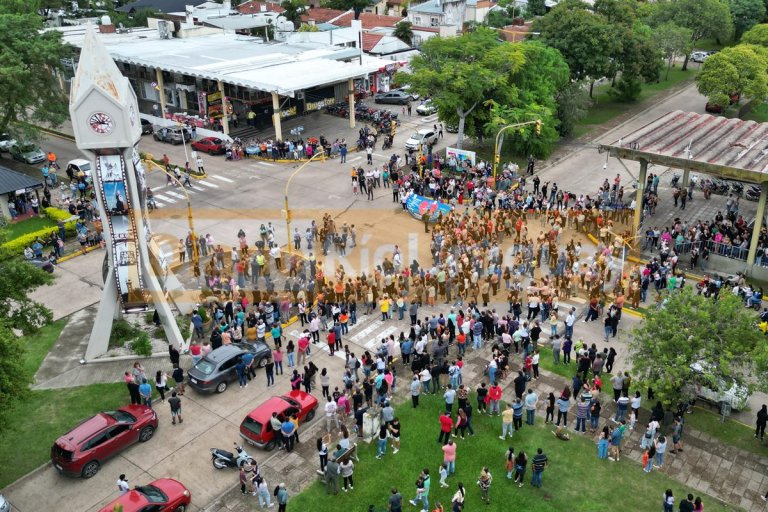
424 138
426 109
725 391
6 142
699 56
79 165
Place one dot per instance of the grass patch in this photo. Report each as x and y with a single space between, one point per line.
758 113
16 229
606 108
730 432
123 331
43 416
38 345
564 484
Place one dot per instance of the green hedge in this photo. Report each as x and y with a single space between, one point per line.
17 245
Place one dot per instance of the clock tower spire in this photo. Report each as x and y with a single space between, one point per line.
103 110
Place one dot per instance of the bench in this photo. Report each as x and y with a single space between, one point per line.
349 453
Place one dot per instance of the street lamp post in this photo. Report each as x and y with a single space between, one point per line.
171 176
184 141
626 242
497 149
418 157
287 209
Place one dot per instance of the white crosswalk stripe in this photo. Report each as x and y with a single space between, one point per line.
175 194
222 178
164 198
155 189
208 184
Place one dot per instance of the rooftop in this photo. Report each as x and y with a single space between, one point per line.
368 20
732 148
321 15
255 6
240 60
429 7
165 6
11 181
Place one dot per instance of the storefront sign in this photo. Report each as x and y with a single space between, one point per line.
317 105
215 105
288 112
418 205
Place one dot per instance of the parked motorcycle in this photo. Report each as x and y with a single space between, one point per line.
223 459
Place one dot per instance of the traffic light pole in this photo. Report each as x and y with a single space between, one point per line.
497 148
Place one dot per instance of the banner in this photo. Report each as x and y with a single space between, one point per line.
419 205
460 155
215 105
111 170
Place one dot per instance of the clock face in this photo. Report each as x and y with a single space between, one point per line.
101 123
132 115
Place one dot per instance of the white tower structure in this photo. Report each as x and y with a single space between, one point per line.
107 128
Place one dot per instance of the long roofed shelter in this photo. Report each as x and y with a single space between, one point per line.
714 145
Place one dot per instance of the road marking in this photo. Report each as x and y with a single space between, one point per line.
208 184
268 164
164 198
175 194
155 189
222 178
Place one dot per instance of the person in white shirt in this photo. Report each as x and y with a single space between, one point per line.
330 415
569 321
122 485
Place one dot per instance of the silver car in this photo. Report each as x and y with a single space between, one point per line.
28 153
5 505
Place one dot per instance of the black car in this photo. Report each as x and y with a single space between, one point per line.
393 97
215 371
146 127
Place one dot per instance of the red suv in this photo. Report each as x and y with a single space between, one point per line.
81 451
163 495
256 428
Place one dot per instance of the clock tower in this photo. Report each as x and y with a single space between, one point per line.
103 110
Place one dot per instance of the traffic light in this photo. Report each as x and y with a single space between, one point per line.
538 127
496 159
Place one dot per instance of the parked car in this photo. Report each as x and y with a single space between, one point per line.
451 128
215 371
78 166
146 126
256 428
5 505
699 56
163 495
396 97
426 109
28 153
720 390
5 146
210 145
407 89
172 134
424 137
82 450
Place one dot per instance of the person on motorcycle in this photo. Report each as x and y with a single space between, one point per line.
151 199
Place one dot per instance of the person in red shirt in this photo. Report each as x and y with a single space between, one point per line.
494 395
331 341
528 366
446 424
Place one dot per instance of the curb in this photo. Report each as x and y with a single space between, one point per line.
75 254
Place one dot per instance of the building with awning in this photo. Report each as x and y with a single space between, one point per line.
13 184
202 75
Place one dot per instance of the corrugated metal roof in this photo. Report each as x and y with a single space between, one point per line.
11 181
700 142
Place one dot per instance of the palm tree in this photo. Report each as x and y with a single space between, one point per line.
404 32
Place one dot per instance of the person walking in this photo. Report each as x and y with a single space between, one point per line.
457 501
538 464
122 485
422 490
330 415
395 501
446 424
762 419
521 463
394 434
449 456
175 403
381 442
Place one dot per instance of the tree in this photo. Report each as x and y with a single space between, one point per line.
346 5
460 73
741 70
293 11
14 377
757 35
705 18
637 57
617 11
673 41
536 8
690 328
746 14
572 105
585 39
543 73
28 59
404 32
